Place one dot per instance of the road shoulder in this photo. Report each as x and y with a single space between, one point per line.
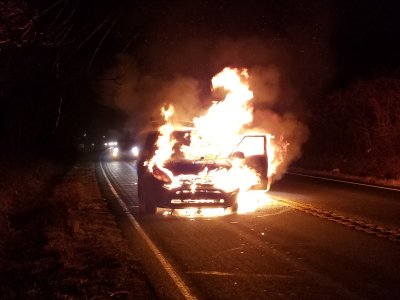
83 253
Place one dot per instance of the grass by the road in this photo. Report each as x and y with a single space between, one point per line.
58 239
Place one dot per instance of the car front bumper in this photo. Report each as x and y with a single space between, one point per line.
201 196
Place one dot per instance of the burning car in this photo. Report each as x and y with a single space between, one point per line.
205 181
214 162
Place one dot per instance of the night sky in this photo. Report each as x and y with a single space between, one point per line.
357 37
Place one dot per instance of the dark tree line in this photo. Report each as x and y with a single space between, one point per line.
358 129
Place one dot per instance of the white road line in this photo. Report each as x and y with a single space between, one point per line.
216 273
349 182
183 288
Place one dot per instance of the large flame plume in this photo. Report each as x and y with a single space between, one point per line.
215 135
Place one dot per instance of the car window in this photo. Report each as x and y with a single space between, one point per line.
252 145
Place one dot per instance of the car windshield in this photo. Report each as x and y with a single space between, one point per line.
181 138
189 146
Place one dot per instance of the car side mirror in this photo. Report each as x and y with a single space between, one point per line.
237 154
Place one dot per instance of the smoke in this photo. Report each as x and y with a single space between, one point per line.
289 64
289 134
141 96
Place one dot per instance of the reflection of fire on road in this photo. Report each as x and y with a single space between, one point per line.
214 135
248 201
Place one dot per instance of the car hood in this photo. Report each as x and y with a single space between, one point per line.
186 166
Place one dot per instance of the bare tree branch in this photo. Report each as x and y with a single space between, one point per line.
101 42
59 14
58 115
67 31
48 9
72 13
134 36
106 19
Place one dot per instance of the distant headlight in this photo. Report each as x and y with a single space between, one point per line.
135 151
115 152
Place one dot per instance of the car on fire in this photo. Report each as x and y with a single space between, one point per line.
179 182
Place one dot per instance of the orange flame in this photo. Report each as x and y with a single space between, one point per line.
215 135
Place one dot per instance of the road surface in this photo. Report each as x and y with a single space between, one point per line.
316 239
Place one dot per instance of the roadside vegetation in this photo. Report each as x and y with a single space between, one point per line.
58 240
25 212
357 132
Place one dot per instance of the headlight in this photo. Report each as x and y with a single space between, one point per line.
115 152
135 151
161 175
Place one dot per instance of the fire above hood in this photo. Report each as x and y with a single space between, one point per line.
187 167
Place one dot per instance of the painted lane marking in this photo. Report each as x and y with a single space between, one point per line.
349 182
392 234
216 273
183 288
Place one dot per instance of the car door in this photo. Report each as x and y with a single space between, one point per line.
253 149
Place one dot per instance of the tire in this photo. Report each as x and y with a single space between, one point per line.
146 203
235 207
150 207
140 199
235 204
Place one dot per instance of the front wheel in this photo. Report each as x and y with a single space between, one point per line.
146 202
235 206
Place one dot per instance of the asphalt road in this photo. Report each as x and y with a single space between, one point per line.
317 239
